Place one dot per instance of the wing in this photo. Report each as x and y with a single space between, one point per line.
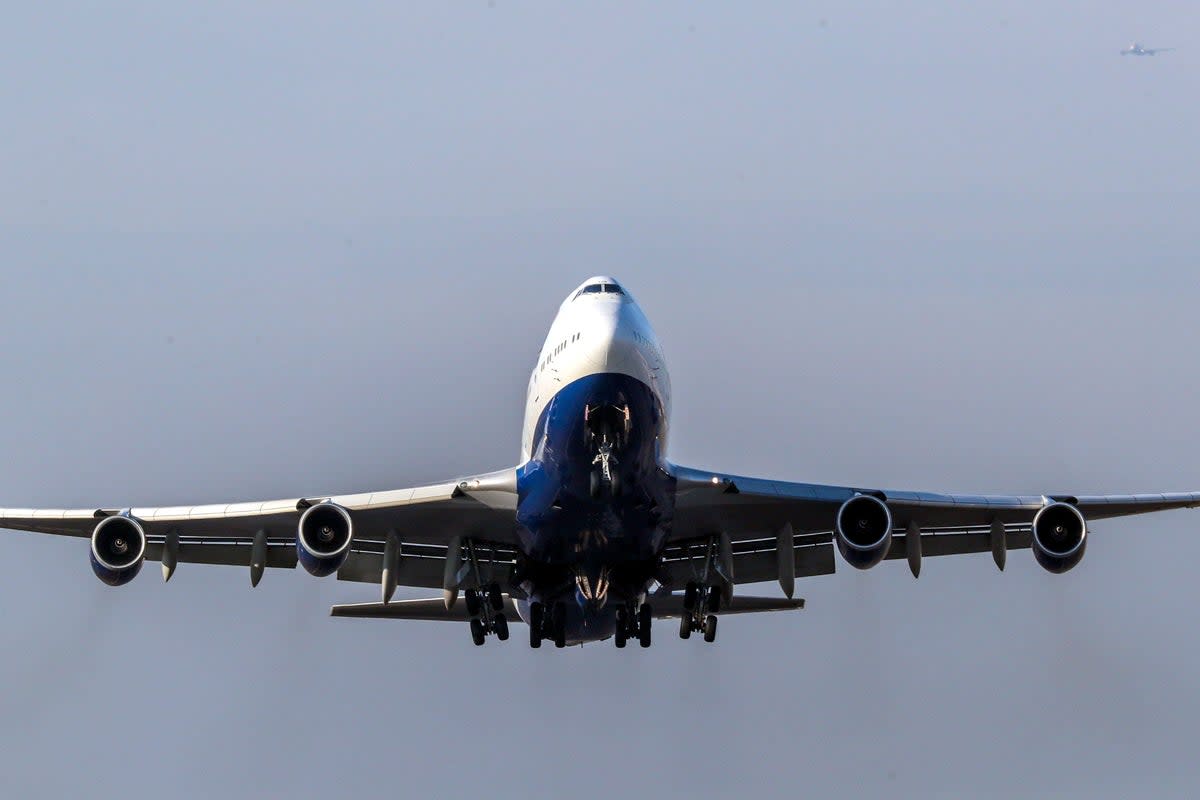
755 522
424 521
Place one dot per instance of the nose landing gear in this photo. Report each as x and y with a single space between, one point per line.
607 429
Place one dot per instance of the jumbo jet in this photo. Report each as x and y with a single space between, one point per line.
595 533
1136 49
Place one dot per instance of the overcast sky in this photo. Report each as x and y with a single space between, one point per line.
290 248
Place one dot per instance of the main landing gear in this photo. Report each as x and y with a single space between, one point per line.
700 607
485 607
547 623
634 622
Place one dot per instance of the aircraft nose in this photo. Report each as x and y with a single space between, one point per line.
612 341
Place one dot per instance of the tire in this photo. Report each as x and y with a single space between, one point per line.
594 484
500 626
691 595
537 618
495 598
645 618
710 628
714 600
473 604
477 632
560 625
685 626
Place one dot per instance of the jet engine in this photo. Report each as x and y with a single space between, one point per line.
1059 537
863 531
118 550
323 538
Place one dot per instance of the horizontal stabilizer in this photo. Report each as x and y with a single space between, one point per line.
668 606
433 610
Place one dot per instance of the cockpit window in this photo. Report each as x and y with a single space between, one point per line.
600 288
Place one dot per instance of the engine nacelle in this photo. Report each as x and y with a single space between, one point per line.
118 550
1059 537
863 531
323 538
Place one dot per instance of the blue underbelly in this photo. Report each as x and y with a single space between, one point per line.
561 517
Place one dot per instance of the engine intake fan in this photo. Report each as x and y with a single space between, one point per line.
323 538
864 531
118 550
1059 537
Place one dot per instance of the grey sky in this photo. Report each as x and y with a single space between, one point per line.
287 249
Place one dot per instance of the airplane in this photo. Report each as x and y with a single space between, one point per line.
1136 49
595 534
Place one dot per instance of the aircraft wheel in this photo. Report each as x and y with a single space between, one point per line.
537 618
685 626
645 617
594 484
691 595
477 632
710 628
500 625
560 625
495 598
473 604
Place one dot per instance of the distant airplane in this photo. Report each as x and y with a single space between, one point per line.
595 534
1136 49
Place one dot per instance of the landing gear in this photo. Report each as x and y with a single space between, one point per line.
607 429
714 600
622 634
633 624
537 621
605 480
484 600
546 623
473 604
558 624
697 600
485 608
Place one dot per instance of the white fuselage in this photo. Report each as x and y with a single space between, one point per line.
595 332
